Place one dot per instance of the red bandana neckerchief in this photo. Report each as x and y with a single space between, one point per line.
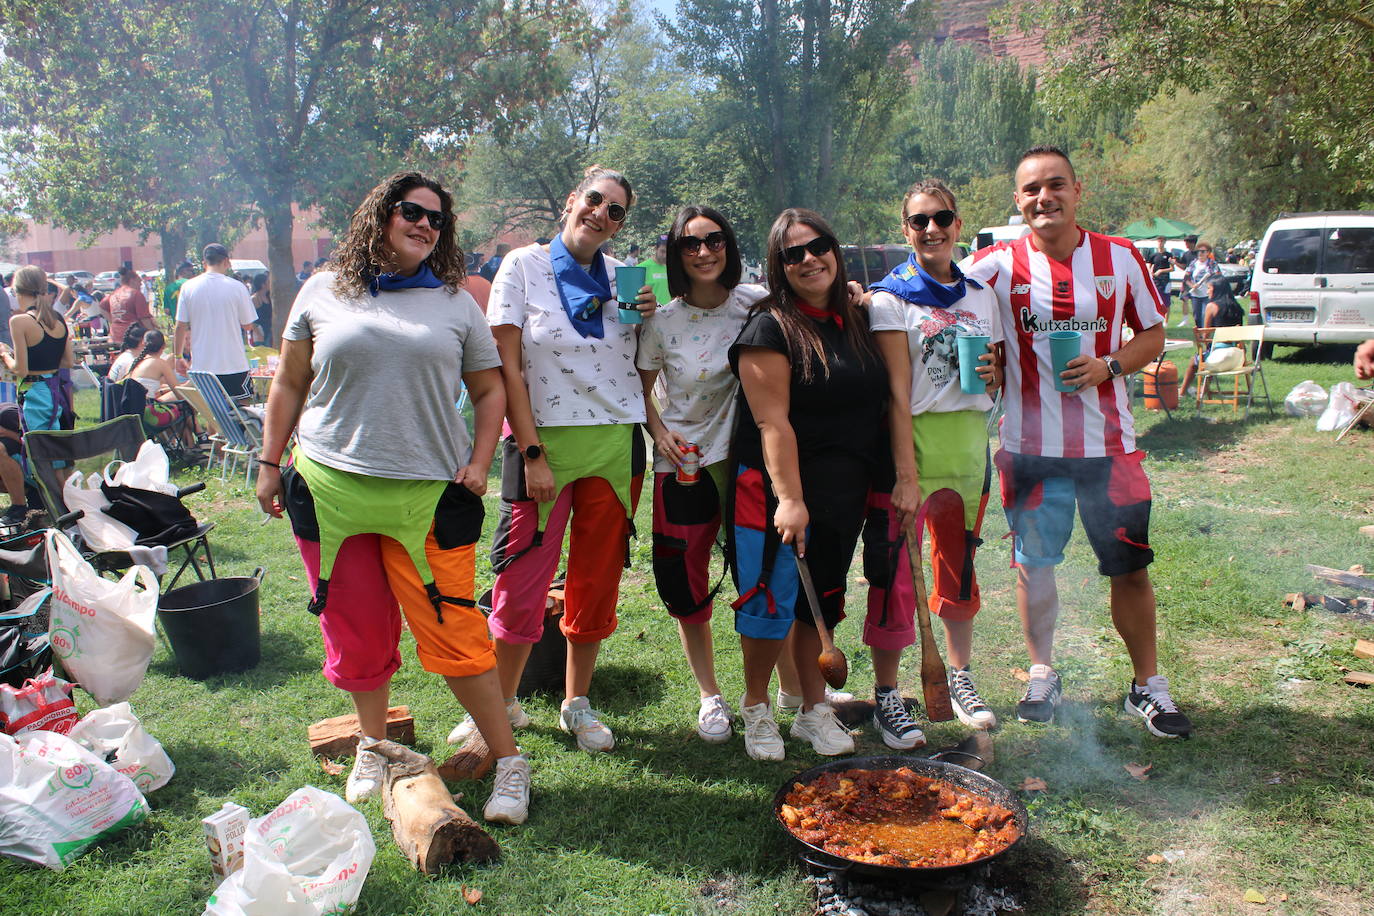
821 315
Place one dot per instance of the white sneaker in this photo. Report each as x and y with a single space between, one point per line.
828 737
762 740
714 720
578 717
510 793
368 770
794 701
467 728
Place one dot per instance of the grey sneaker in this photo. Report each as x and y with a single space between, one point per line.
510 792
968 705
366 776
827 735
794 701
762 740
1161 714
894 722
467 728
1042 695
578 718
714 720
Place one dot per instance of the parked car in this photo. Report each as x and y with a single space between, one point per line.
68 277
1314 278
867 264
247 268
106 282
991 235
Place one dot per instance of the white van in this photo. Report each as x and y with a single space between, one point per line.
991 235
1314 278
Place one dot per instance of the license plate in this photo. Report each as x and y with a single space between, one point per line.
1305 316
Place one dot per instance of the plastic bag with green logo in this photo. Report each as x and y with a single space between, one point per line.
57 799
115 735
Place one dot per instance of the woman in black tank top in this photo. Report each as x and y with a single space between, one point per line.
42 344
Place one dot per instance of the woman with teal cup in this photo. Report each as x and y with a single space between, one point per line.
934 327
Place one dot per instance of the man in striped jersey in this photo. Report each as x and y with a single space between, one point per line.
1077 448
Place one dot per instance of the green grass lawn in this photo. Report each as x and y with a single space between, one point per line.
1275 793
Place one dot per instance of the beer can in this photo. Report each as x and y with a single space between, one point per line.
689 472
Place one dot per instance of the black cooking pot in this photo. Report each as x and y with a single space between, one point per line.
962 777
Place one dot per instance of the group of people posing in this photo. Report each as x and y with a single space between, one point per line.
796 419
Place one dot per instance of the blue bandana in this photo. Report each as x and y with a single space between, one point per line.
582 292
910 283
423 278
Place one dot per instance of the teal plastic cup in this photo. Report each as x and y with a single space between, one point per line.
1064 346
628 281
971 346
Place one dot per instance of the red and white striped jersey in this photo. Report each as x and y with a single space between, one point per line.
1102 285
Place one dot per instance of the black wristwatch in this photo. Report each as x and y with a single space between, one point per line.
1113 367
533 451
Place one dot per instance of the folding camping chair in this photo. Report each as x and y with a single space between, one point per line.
92 448
130 397
1249 339
238 432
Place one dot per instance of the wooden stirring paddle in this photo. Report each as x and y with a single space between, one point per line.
934 681
834 666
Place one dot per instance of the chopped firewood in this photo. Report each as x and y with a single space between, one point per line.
1333 603
1367 530
1364 648
1359 678
429 828
472 761
338 737
1341 577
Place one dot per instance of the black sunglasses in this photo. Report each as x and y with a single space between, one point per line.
941 218
412 212
817 246
595 199
690 244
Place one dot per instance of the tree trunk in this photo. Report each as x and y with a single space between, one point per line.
280 261
173 251
775 102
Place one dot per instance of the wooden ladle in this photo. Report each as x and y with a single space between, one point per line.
834 666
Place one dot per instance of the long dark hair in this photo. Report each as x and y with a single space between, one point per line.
153 343
363 253
678 284
803 343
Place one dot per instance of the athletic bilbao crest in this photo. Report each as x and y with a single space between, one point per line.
1106 286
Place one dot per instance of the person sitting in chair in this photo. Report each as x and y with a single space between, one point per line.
1222 311
164 407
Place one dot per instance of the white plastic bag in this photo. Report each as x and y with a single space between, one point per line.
101 630
309 856
150 470
1340 410
1307 399
98 530
115 735
1225 358
57 798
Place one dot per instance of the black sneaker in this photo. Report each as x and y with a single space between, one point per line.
968 705
894 722
1042 695
14 515
1153 704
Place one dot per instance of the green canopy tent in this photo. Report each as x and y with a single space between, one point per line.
1155 227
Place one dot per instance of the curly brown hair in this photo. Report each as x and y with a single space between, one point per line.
363 254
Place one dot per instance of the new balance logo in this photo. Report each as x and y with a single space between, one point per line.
1021 289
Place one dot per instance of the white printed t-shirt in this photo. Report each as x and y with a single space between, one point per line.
690 348
1102 286
572 380
216 307
931 340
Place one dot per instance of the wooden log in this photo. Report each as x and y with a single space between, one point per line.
1359 678
1364 648
1367 530
1341 577
472 761
338 737
429 828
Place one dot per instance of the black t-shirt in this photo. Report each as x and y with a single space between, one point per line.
1160 260
838 418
